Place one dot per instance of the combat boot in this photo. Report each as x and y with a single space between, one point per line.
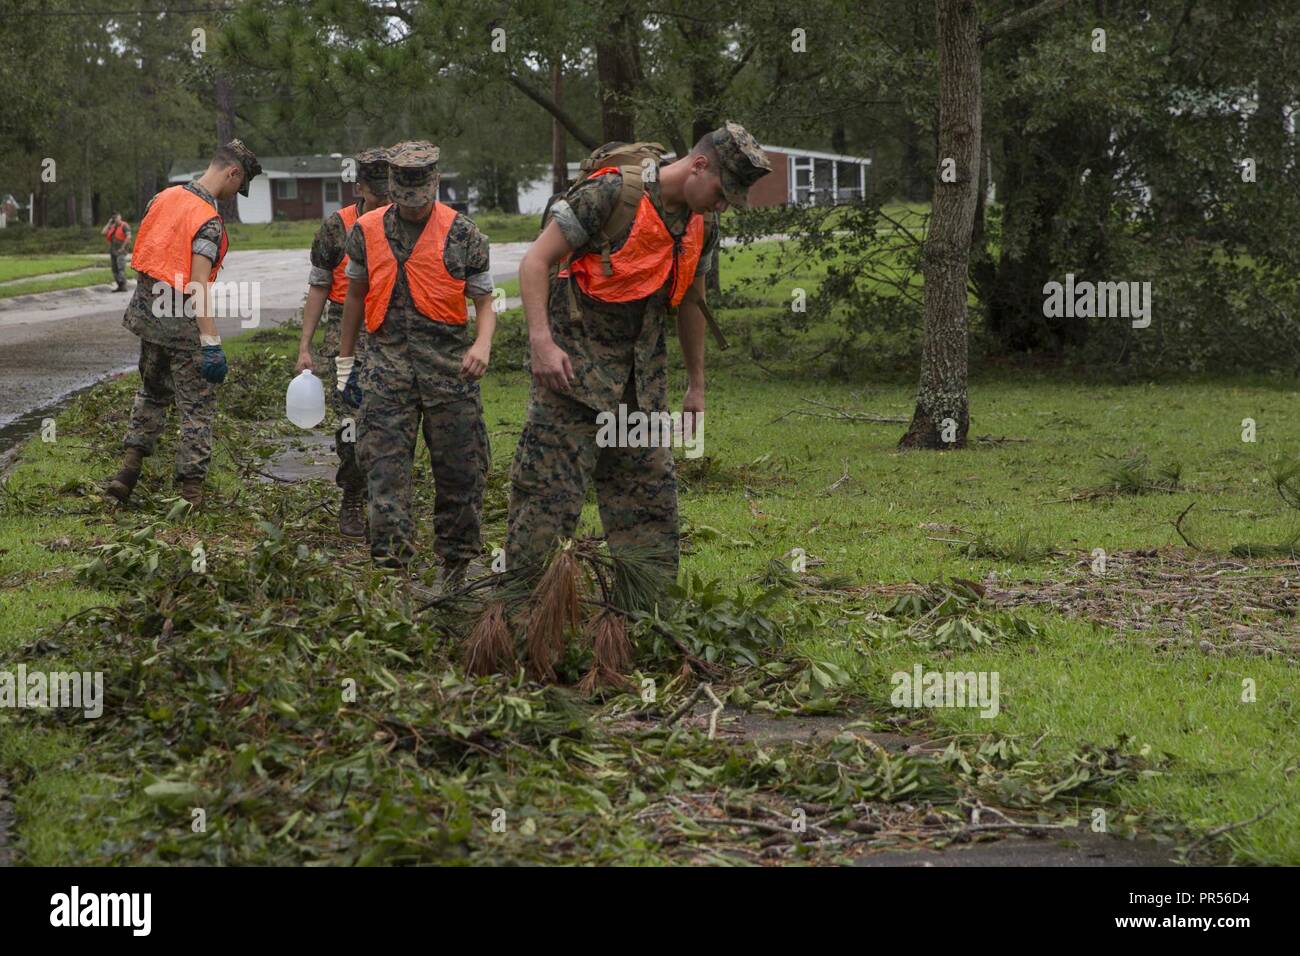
121 485
452 576
352 514
192 491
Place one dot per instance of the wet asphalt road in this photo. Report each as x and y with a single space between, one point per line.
54 344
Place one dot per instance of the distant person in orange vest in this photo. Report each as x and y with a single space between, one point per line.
182 238
596 302
412 265
118 234
327 287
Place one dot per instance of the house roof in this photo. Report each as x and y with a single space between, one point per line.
815 154
574 167
318 166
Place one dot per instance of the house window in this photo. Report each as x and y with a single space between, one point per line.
286 189
848 182
331 190
823 182
801 169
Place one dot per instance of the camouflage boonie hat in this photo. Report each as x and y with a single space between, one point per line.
743 162
413 173
372 168
248 160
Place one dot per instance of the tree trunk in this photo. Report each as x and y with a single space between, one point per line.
146 185
982 268
146 166
913 178
942 414
224 95
87 210
559 155
914 174
616 70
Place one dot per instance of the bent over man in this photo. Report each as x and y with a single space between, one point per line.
597 340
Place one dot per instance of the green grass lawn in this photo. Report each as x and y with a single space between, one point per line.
771 481
1096 661
22 267
78 281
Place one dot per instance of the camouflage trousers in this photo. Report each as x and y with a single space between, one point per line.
167 376
351 474
636 488
117 260
459 457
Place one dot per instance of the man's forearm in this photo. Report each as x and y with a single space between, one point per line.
354 308
311 313
203 314
534 289
690 333
202 266
485 318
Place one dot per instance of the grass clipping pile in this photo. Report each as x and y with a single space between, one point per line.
317 713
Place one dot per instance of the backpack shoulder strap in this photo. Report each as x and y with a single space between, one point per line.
624 212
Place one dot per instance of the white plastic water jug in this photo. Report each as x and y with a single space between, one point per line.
304 402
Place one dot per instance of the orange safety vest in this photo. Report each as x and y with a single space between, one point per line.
645 261
436 294
162 246
339 290
118 234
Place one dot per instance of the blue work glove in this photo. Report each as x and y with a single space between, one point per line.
352 391
214 364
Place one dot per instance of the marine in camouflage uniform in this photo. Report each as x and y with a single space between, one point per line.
413 380
170 362
328 251
619 355
117 250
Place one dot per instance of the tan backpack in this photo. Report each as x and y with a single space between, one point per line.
632 159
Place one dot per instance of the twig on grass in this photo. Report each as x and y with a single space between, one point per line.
1178 526
841 414
1226 828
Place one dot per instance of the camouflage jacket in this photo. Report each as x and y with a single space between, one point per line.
175 332
410 354
614 341
329 247
327 251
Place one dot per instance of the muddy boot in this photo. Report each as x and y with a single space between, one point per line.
121 484
352 514
192 491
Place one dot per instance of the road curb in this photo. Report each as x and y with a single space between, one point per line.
85 293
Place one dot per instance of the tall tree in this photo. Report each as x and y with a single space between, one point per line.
223 98
942 413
